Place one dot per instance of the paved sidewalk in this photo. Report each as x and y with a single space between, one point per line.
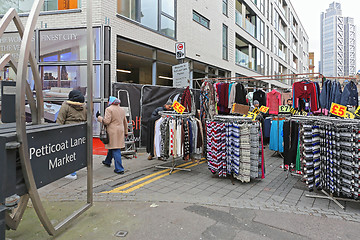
191 205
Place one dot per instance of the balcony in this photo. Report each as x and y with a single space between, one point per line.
249 27
238 18
241 58
294 47
294 65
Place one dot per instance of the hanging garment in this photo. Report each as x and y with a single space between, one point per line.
240 96
171 137
260 95
232 94
276 136
164 128
186 99
150 135
349 96
273 101
157 138
291 136
179 149
208 108
335 93
305 90
325 95
222 90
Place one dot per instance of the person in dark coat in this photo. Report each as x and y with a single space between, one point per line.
72 111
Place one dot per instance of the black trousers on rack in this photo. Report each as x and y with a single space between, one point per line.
150 135
291 137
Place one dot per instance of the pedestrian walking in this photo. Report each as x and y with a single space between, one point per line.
72 111
117 129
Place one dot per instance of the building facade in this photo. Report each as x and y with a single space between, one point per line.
136 41
337 43
311 64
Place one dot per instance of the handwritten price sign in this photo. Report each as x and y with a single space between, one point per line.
357 112
263 109
349 115
284 108
338 110
252 115
178 107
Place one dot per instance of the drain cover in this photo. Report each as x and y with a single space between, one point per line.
121 233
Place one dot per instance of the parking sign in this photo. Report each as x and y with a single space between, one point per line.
180 50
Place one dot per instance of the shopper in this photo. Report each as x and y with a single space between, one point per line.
72 111
151 125
117 129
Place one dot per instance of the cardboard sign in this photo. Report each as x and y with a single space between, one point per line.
357 111
239 108
349 115
284 109
178 107
338 110
263 109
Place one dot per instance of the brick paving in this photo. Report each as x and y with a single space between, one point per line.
277 192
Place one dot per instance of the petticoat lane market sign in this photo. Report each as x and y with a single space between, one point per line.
57 151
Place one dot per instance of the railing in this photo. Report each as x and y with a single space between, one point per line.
238 18
241 58
250 28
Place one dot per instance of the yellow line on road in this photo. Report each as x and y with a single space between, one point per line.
143 178
118 190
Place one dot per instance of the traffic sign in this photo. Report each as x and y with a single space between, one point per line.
180 50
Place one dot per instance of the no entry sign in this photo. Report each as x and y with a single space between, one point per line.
180 50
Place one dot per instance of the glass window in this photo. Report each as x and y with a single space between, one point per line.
201 19
168 7
127 8
22 6
225 7
58 81
225 43
67 45
149 13
167 26
11 43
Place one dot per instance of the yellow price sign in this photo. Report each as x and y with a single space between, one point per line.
263 109
349 115
233 108
284 108
252 115
178 107
357 111
338 110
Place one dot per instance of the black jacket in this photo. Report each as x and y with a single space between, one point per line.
260 96
155 113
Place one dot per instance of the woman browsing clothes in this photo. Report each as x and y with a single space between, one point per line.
117 129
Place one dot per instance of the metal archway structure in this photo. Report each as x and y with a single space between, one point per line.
23 94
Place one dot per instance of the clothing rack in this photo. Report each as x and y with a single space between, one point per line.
335 122
175 115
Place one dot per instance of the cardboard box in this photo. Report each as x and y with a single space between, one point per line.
240 109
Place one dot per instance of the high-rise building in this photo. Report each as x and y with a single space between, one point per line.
337 43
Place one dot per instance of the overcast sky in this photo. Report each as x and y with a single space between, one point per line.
309 13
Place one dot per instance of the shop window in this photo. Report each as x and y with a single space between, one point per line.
164 74
58 81
165 57
68 45
133 69
201 19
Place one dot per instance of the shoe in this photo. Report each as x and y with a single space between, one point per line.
105 164
150 157
121 172
71 177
